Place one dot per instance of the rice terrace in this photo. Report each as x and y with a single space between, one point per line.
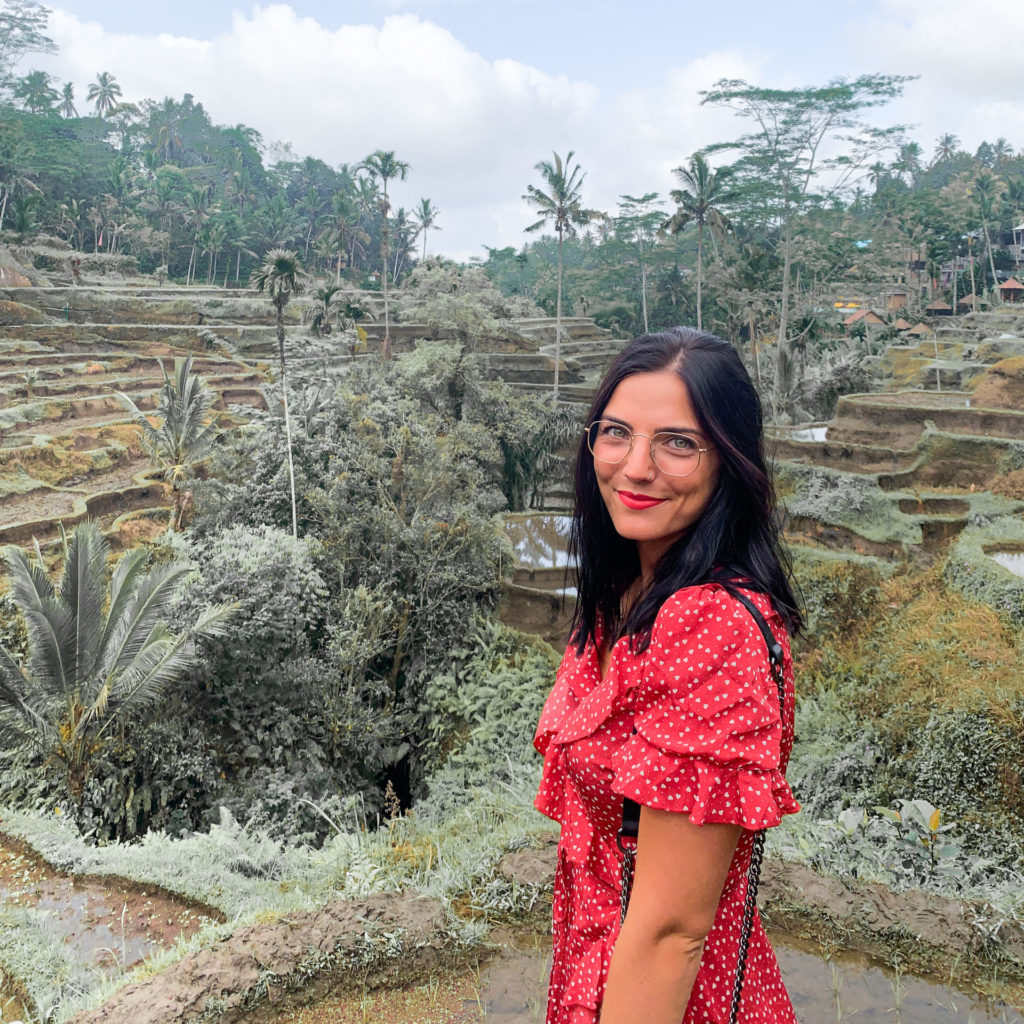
285 503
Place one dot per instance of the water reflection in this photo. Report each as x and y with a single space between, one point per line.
513 991
540 540
1012 560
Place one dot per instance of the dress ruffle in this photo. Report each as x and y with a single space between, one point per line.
705 789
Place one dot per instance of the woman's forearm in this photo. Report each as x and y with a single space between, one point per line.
650 977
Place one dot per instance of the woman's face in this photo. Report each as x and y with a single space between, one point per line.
646 504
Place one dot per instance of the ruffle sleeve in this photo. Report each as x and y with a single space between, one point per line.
709 730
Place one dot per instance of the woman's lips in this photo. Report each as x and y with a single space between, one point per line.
638 501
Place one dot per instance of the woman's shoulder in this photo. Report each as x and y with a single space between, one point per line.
709 607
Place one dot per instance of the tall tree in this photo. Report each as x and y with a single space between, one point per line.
638 220
22 30
561 205
281 278
784 162
702 200
67 108
988 192
35 92
105 93
98 649
425 217
946 147
384 165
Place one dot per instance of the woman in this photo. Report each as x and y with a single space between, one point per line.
665 696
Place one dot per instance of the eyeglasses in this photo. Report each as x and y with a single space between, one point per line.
674 454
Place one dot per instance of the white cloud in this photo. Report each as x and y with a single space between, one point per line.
471 128
968 60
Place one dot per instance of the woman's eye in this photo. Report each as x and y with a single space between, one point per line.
614 431
679 443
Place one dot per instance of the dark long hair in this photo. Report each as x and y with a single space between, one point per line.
737 537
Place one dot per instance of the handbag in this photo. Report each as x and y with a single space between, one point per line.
631 823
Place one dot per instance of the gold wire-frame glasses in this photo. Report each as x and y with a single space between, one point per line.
674 453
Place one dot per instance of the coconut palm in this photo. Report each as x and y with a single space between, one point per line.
98 649
425 217
197 213
35 92
702 200
66 107
946 147
383 164
105 93
561 205
988 192
184 437
281 278
908 161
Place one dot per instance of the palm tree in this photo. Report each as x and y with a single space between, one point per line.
105 92
383 164
180 443
561 205
35 92
701 201
197 213
66 108
908 161
946 147
98 649
281 278
988 197
425 217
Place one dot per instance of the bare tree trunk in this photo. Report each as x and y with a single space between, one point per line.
643 285
991 258
781 341
558 323
753 349
700 272
287 421
974 287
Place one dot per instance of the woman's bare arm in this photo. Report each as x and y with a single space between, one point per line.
680 872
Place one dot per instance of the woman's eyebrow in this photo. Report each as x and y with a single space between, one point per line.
659 430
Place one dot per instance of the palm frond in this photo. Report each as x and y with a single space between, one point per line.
50 625
82 593
215 619
122 587
149 603
160 664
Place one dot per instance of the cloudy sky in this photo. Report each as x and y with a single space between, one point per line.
472 93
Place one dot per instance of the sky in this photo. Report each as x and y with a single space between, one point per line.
473 93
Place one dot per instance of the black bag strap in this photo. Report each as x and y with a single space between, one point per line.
631 818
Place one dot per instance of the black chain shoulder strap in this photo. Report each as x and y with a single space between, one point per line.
631 821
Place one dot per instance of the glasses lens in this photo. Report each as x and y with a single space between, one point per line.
609 441
675 454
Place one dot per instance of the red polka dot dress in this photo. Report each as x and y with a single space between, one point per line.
709 743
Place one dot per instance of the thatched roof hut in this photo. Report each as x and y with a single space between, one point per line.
1012 290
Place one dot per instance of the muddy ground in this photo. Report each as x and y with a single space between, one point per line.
392 958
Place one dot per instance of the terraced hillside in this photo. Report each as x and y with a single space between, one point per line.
67 446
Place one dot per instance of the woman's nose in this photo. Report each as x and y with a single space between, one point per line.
639 465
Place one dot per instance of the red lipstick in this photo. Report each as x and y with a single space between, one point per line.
638 501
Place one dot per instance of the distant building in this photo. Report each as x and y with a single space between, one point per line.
968 303
938 308
865 316
896 300
1012 290
902 325
922 331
